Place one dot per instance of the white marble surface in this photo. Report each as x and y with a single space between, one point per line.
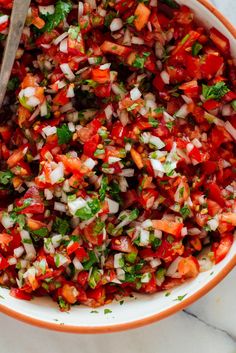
208 326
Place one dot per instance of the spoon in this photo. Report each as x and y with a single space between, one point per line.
18 17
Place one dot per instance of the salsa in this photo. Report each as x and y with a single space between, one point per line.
117 147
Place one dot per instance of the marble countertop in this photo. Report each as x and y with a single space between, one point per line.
208 326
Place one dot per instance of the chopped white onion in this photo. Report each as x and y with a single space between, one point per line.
76 205
118 260
60 38
28 244
172 270
157 142
116 24
135 94
3 19
70 92
90 163
48 194
182 112
213 224
65 68
64 46
18 252
165 77
58 206
144 237
29 91
49 130
112 205
78 265
44 10
155 263
157 166
146 277
231 130
7 221
33 102
108 112
137 41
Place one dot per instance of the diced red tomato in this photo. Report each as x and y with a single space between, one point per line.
222 248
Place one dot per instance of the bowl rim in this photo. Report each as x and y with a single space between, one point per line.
153 318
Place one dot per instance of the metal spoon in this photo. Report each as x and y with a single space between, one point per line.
18 17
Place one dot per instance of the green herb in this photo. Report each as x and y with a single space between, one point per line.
114 190
185 211
181 192
98 227
216 91
180 297
92 260
89 210
62 304
2 297
122 302
94 278
42 232
64 134
62 9
13 84
153 122
134 214
196 48
94 312
160 274
6 177
233 104
131 19
73 32
27 241
139 62
132 107
26 203
61 226
171 3
167 294
131 257
159 110
184 40
170 125
107 311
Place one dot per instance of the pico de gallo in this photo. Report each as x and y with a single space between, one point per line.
117 147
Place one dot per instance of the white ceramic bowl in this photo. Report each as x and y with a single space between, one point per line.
142 309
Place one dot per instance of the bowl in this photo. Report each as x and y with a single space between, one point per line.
141 309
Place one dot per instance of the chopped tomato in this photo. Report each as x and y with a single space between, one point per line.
222 248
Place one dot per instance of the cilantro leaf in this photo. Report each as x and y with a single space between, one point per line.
185 211
171 3
13 84
89 210
107 311
103 188
62 9
42 232
180 297
6 177
64 134
61 226
216 91
196 48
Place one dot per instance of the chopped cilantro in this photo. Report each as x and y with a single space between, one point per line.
62 9
170 125
216 91
94 312
42 232
92 260
181 192
61 226
122 302
233 104
131 19
180 297
89 210
139 62
153 122
64 134
171 3
132 107
196 48
185 211
103 188
13 84
167 294
107 311
6 177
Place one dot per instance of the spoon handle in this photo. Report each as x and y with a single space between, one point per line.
18 17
